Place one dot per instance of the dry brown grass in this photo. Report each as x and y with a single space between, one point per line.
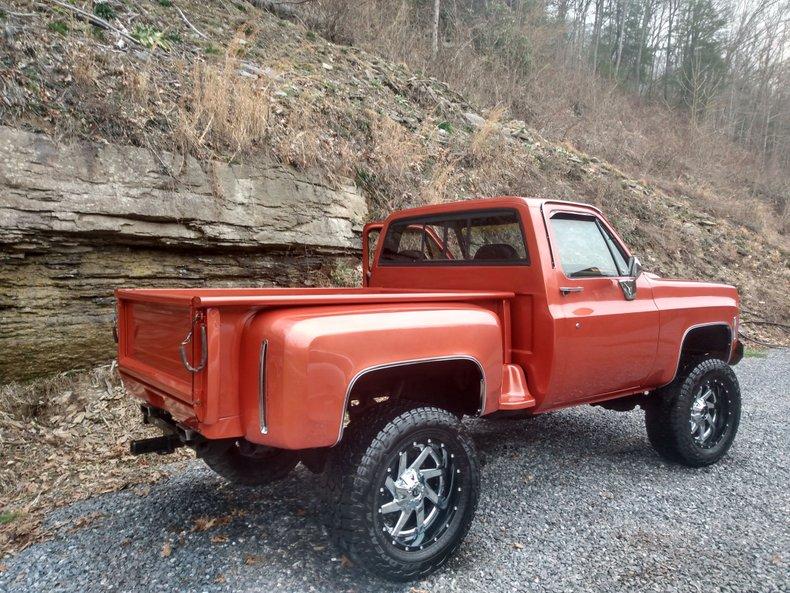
486 143
301 138
396 151
225 109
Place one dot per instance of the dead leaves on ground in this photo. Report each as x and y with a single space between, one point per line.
85 521
205 523
251 559
64 439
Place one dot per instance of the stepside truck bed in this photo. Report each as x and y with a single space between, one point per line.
163 333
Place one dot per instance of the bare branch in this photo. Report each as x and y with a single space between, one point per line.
92 18
190 25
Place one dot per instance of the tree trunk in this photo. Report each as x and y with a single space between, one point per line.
597 32
642 37
620 36
435 29
668 67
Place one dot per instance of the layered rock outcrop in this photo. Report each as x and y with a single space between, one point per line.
78 220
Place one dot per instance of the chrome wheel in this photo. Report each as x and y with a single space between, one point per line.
709 413
415 500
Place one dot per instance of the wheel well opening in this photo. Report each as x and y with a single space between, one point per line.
455 385
710 341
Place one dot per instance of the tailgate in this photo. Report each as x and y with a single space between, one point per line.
151 333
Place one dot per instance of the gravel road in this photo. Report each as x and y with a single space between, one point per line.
573 501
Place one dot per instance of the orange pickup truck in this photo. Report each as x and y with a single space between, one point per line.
495 307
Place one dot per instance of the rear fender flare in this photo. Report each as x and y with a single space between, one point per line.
404 363
316 356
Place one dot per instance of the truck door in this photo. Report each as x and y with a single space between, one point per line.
606 337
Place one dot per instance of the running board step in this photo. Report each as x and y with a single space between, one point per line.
515 393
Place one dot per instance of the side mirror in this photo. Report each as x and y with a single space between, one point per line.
634 267
628 285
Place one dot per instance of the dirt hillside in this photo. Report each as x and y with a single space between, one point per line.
228 81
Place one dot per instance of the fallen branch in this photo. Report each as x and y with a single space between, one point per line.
17 14
745 311
760 342
286 10
783 326
95 20
190 25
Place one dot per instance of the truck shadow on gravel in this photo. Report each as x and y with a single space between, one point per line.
592 433
195 530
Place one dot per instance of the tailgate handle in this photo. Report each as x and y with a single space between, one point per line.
203 351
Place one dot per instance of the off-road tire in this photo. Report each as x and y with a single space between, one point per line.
668 412
265 467
352 479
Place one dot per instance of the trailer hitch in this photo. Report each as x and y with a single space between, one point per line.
174 436
161 445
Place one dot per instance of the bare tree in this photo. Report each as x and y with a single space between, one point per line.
622 6
435 29
647 15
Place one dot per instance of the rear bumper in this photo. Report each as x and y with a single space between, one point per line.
180 412
148 394
737 353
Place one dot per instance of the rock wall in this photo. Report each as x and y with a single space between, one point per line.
79 220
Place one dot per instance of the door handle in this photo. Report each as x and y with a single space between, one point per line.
569 289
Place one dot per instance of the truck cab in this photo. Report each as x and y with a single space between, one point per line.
488 307
584 324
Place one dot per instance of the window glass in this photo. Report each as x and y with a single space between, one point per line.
583 249
496 237
619 257
492 237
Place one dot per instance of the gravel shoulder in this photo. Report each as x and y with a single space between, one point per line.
572 501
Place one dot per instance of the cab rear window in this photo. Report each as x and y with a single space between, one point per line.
492 237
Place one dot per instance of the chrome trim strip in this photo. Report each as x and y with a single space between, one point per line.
262 387
683 339
379 367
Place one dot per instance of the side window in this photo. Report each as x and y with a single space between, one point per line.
373 239
585 248
475 238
